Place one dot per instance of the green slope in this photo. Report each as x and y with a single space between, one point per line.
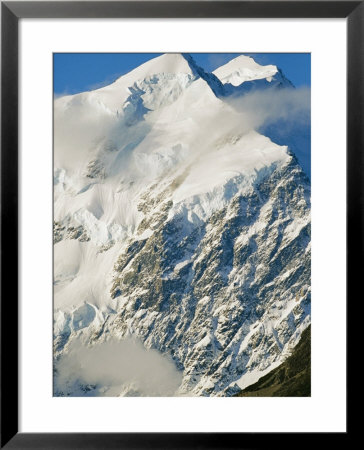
291 379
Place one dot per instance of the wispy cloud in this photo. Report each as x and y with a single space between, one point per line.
261 108
115 367
108 80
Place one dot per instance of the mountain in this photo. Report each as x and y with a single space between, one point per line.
291 379
243 74
177 224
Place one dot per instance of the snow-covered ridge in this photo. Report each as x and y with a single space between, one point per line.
151 75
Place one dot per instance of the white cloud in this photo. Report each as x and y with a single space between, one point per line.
116 367
262 108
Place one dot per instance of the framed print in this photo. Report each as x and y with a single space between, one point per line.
160 280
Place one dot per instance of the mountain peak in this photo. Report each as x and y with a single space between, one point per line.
171 63
244 68
177 64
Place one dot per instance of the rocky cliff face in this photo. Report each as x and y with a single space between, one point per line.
214 269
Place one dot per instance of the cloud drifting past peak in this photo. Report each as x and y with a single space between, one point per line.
262 108
115 368
283 115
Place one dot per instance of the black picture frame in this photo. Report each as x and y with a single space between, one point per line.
11 12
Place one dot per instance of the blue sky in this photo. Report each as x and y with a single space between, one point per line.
78 72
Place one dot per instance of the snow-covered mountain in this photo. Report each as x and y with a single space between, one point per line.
177 224
243 74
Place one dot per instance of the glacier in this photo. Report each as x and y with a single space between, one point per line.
180 226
